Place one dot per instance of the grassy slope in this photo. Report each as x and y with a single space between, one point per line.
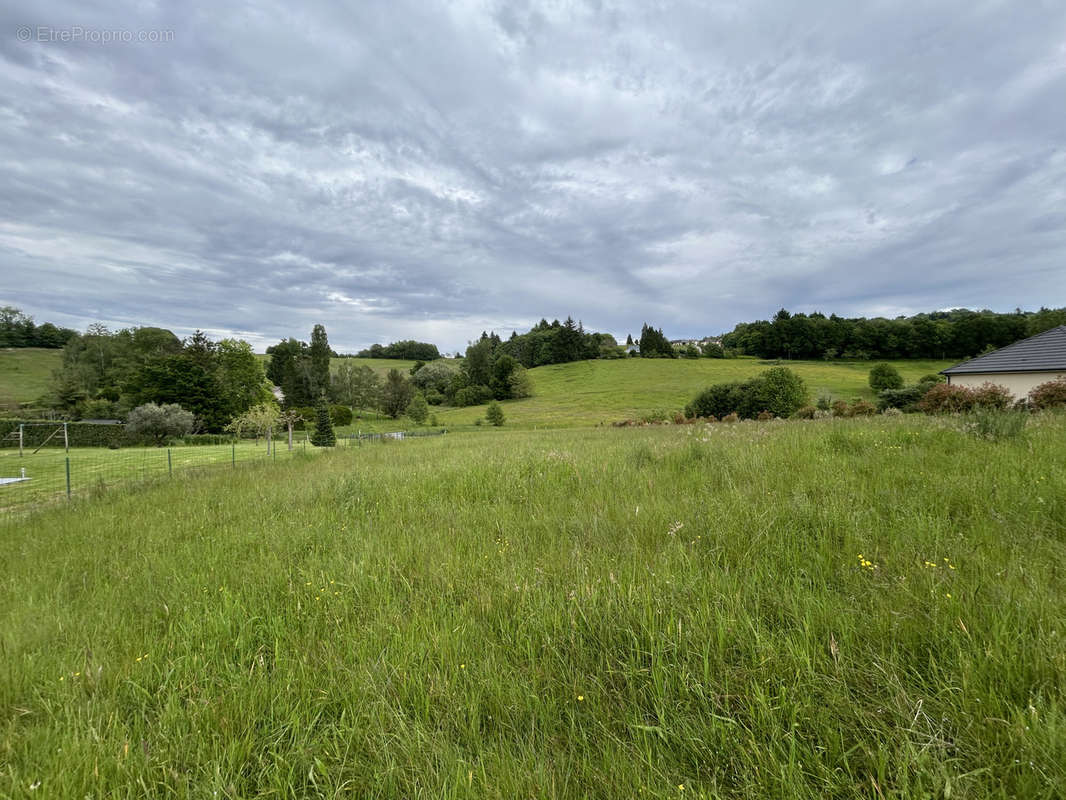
26 372
591 392
612 613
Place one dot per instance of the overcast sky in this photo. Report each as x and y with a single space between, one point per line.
414 170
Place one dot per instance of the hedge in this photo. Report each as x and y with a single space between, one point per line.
79 434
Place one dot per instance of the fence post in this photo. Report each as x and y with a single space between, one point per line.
170 464
233 454
68 477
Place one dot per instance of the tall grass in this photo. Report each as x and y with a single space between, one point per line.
838 608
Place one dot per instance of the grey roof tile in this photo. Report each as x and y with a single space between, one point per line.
1045 352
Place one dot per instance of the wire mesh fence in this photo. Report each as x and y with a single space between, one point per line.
31 478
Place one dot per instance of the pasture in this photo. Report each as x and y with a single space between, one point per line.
839 608
587 393
26 373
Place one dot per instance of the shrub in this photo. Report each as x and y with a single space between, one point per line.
434 398
340 415
472 396
418 409
764 416
805 412
993 396
862 408
892 412
494 414
159 423
716 401
825 403
885 376
1049 395
778 391
905 399
945 398
841 409
731 417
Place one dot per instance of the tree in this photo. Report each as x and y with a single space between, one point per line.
885 376
521 383
323 435
418 408
289 418
260 419
241 375
396 394
159 423
494 414
319 353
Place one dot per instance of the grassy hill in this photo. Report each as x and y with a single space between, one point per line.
839 608
591 392
26 372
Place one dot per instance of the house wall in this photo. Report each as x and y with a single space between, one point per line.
1018 384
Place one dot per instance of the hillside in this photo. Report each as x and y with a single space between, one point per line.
594 392
380 365
26 372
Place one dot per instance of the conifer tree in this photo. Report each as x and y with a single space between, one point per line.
323 435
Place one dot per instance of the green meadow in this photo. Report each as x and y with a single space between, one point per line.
26 373
837 608
587 393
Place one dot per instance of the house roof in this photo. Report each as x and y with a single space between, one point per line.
1045 352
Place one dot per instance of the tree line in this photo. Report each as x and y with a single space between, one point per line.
106 374
959 333
19 330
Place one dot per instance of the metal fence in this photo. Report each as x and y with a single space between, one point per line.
29 479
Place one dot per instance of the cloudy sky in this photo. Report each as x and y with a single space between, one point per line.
420 170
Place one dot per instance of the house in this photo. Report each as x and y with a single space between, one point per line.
1019 367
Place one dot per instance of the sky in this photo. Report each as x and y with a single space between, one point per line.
418 170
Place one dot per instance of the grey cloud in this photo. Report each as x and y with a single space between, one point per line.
410 169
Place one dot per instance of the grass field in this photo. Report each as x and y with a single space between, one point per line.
840 608
26 373
594 392
94 468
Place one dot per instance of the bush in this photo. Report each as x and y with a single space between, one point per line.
885 376
905 399
159 423
993 396
79 434
892 412
1049 395
944 398
764 416
472 396
840 409
862 408
340 415
731 418
805 412
778 391
494 414
825 403
434 398
418 409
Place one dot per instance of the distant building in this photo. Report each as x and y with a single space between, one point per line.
1019 367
